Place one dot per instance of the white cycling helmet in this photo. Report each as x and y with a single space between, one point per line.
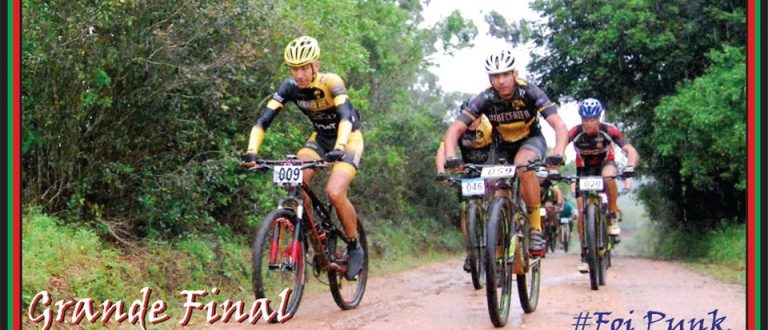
500 61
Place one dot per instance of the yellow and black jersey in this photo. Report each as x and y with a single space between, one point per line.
513 119
325 102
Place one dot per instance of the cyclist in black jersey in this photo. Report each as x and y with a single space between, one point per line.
513 107
475 146
336 136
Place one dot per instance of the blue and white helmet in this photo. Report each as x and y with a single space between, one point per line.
590 108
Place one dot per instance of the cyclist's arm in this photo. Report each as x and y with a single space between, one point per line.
343 108
451 137
558 195
467 115
561 133
632 155
548 111
440 159
258 131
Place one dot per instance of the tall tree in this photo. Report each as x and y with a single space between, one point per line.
631 54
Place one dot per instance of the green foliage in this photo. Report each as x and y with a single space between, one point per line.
71 262
702 131
718 251
633 55
459 29
135 113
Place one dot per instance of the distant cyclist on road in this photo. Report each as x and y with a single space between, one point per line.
593 142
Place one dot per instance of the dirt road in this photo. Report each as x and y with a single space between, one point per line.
647 294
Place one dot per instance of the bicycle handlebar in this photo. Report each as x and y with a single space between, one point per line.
268 164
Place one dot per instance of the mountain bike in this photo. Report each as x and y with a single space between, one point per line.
598 243
507 241
291 238
473 194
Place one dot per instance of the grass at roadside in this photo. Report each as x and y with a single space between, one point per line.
718 253
72 262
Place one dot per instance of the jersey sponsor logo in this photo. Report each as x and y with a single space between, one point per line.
331 126
314 105
508 116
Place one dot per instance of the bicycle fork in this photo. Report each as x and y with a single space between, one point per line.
293 252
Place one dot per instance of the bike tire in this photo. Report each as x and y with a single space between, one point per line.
347 294
566 237
498 291
590 236
602 245
276 234
476 243
528 283
552 239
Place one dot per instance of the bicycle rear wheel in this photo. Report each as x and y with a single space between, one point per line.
476 243
347 293
590 236
498 270
529 282
278 261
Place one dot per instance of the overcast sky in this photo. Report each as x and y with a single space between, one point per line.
464 70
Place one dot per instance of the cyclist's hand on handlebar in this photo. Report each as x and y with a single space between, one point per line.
555 160
453 162
629 172
333 155
442 178
554 175
249 160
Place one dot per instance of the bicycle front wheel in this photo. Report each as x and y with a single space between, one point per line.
529 281
602 246
476 242
498 270
347 293
590 236
278 262
552 238
566 237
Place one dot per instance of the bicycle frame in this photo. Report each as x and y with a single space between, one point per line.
318 232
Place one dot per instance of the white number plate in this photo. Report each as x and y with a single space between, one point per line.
588 183
472 187
565 220
543 212
495 172
287 174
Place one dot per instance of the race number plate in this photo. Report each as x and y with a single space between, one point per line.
565 220
589 183
543 212
287 174
496 172
472 187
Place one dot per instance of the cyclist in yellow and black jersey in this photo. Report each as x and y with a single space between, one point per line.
475 146
336 136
